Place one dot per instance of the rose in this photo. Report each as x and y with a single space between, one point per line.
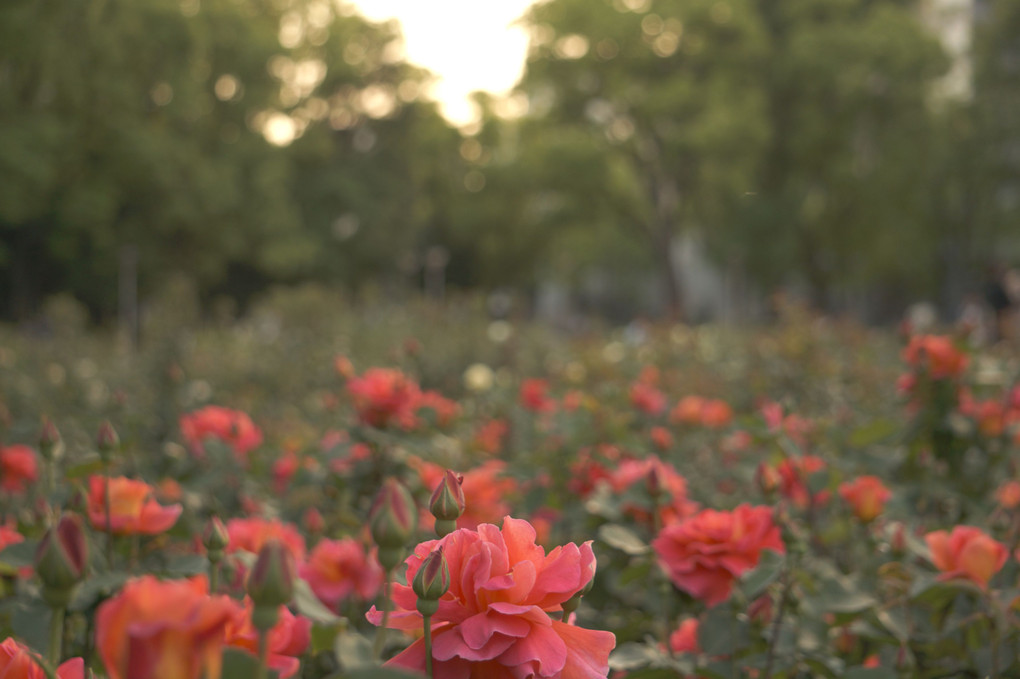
338 569
132 508
286 640
705 554
866 496
18 468
494 621
233 427
18 662
163 630
966 553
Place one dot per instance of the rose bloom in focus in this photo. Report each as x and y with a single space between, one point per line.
18 468
866 496
234 427
705 554
385 396
163 630
494 621
17 662
133 507
339 569
966 553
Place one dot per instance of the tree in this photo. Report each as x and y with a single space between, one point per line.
669 93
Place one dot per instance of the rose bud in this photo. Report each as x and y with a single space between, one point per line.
447 503
392 521
60 560
107 440
270 583
431 582
215 538
51 446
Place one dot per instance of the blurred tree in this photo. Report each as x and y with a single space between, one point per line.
844 185
658 108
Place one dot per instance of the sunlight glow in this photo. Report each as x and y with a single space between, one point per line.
469 44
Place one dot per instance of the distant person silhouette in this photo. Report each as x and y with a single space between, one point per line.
1001 303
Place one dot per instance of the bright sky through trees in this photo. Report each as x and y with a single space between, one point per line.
469 44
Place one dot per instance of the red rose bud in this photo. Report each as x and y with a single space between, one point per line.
60 560
107 440
431 582
215 538
447 503
271 583
50 443
392 521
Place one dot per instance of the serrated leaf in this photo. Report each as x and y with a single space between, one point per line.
623 539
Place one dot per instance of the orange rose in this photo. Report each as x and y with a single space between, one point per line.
966 553
16 662
1008 494
163 630
287 639
866 496
133 509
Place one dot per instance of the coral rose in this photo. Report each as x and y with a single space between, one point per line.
18 662
966 553
684 638
485 488
133 507
163 630
233 427
866 496
652 472
1008 494
18 468
705 554
647 398
251 534
287 639
795 472
384 396
494 622
937 354
337 569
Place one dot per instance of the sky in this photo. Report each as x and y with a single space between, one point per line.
469 44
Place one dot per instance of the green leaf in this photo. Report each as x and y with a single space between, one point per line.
309 605
185 565
90 464
238 664
623 539
632 656
721 633
97 588
354 650
870 673
20 555
753 583
31 622
873 432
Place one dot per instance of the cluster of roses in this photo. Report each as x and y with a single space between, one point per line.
386 397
